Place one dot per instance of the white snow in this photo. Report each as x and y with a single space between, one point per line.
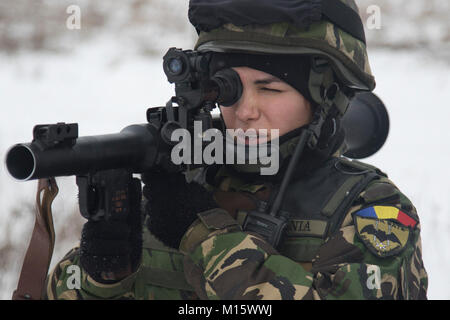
105 91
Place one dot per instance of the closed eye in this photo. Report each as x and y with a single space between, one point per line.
270 89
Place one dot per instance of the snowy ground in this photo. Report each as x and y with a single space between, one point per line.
105 90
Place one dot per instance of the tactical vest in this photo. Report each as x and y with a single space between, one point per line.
161 276
318 202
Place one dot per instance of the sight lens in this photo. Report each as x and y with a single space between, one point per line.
175 66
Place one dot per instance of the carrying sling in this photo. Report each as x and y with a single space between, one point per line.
40 249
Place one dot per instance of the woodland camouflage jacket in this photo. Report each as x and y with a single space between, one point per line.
370 250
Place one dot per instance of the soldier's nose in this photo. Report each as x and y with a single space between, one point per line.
246 108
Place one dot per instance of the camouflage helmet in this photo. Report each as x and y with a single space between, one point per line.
346 53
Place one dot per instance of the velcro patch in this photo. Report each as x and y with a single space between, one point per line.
385 230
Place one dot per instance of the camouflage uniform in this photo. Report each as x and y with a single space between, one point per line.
223 262
220 261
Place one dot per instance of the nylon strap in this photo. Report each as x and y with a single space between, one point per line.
39 254
322 80
340 194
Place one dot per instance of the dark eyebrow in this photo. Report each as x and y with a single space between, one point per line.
267 80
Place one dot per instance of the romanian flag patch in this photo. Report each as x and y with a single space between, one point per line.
384 212
385 230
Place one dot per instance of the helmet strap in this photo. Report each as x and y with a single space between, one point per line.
328 96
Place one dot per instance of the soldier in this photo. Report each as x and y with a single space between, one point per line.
350 232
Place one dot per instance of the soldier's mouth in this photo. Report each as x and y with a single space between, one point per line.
252 137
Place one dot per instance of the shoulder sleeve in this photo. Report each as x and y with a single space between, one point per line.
377 251
387 225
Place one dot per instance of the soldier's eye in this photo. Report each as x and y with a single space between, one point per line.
271 90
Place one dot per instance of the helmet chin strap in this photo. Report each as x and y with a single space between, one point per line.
328 96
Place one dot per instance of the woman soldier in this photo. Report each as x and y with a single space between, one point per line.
342 229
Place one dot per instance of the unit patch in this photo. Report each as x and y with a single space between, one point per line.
384 230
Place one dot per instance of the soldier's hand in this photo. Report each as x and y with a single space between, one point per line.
111 239
172 204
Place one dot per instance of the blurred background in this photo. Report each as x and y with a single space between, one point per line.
106 73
